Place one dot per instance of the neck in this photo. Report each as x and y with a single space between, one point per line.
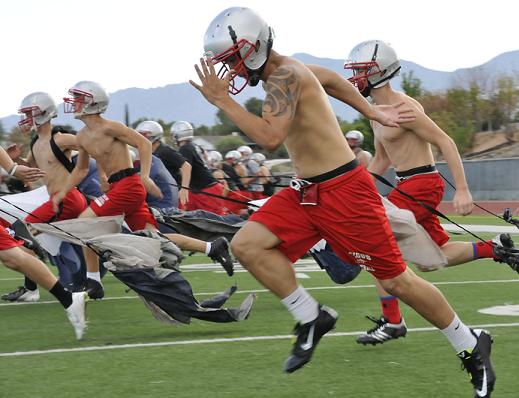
91 120
273 63
383 95
44 130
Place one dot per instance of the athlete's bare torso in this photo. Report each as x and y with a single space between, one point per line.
404 148
315 141
111 154
55 172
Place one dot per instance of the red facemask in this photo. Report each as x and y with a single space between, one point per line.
239 69
361 72
75 103
27 119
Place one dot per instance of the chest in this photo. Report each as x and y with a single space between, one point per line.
42 152
388 135
97 145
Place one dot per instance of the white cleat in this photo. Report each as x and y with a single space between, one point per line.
76 313
22 295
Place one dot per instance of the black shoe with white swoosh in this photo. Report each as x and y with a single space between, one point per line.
477 364
307 336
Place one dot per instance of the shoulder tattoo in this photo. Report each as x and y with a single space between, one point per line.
282 88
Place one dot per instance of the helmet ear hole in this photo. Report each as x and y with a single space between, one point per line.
257 46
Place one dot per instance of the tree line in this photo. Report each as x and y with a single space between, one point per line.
479 103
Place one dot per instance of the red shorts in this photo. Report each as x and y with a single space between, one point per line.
256 195
71 207
234 207
199 201
350 216
7 241
429 189
128 197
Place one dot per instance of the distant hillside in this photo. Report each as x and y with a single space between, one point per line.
181 101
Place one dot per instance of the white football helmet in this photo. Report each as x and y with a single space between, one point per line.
373 63
182 131
36 109
258 157
241 40
88 98
214 157
150 129
245 151
233 155
355 135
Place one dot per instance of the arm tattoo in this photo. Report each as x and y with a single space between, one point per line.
282 87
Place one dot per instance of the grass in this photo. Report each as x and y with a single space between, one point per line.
421 365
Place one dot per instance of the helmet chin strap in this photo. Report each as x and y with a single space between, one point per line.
367 91
255 75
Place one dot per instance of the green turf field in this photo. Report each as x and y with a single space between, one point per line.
127 353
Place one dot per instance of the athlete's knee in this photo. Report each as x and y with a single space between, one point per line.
13 258
400 284
242 248
88 213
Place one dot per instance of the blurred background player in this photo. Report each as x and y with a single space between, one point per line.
355 140
201 178
170 157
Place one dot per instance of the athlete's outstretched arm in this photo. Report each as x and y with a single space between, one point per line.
282 89
78 174
380 162
24 173
340 88
143 145
429 131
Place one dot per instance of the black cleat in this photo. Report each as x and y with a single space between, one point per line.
478 366
307 336
94 289
384 331
505 251
22 295
220 253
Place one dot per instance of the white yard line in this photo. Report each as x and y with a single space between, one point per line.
221 340
495 229
131 297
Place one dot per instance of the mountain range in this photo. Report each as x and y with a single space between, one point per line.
183 102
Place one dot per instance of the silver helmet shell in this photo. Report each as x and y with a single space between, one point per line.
355 135
37 109
241 40
214 157
245 151
258 157
150 129
88 98
233 155
182 131
374 63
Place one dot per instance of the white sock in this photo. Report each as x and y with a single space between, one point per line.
459 335
94 275
207 248
301 305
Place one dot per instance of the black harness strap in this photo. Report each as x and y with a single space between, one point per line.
425 205
58 153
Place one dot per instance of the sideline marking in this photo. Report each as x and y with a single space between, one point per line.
132 297
214 341
509 310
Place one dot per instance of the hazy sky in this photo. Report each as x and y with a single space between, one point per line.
48 45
